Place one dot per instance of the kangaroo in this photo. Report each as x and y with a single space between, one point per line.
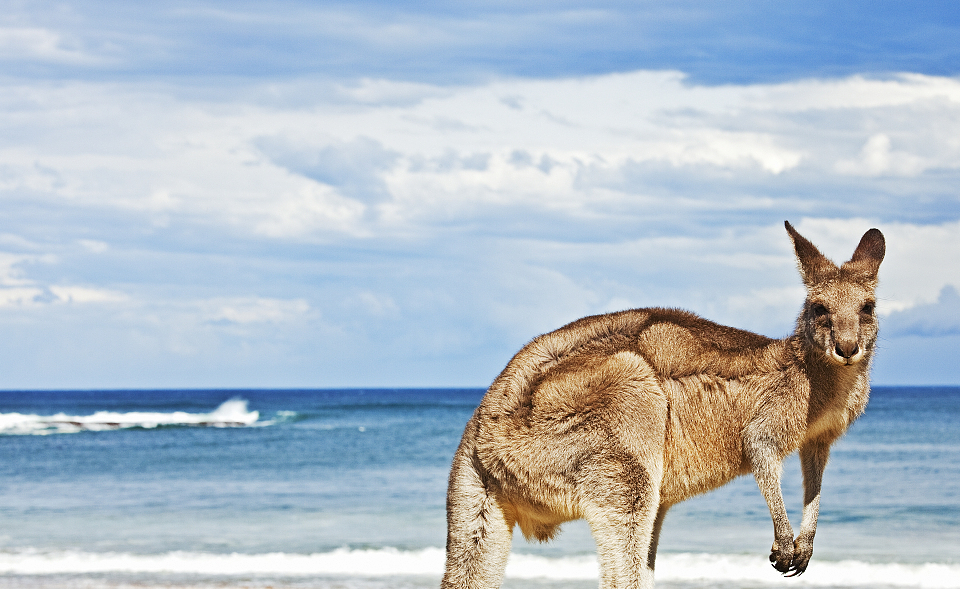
615 418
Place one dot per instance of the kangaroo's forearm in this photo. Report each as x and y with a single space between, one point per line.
766 464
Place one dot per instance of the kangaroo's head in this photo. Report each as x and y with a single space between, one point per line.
839 317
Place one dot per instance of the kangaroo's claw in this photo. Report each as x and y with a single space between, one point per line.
795 570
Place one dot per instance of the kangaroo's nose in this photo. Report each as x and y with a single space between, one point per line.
847 349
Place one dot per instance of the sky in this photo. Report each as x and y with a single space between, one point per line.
402 194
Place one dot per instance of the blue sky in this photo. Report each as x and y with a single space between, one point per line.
294 194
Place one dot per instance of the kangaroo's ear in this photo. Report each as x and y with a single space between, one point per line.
813 265
868 255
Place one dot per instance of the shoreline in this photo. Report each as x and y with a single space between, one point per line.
390 567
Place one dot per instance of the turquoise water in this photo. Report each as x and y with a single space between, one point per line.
346 488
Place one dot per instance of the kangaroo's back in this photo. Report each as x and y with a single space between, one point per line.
674 342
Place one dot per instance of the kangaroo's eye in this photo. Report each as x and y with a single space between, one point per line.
867 309
819 310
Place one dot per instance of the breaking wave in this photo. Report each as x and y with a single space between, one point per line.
232 413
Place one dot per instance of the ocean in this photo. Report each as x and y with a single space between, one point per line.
345 489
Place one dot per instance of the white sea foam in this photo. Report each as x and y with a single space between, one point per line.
232 413
751 569
715 568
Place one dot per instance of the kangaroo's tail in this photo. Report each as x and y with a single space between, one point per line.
479 529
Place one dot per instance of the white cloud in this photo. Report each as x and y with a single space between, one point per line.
877 159
402 157
376 304
448 222
248 310
19 296
10 273
93 245
35 296
82 294
303 213
854 92
385 92
939 318
18 291
19 44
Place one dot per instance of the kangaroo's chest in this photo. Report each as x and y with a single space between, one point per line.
830 417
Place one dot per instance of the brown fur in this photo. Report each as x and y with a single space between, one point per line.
614 418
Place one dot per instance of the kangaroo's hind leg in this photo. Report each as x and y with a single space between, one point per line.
479 528
619 484
622 513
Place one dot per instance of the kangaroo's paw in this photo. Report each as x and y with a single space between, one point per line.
802 551
782 560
